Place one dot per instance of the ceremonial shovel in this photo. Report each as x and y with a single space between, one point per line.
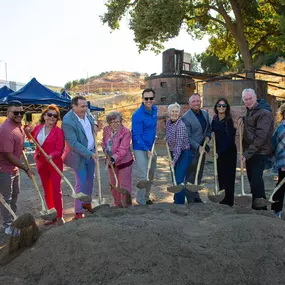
142 184
195 187
46 214
175 188
81 196
217 195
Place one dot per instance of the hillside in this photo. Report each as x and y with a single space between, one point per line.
113 81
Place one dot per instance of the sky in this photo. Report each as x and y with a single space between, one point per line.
58 41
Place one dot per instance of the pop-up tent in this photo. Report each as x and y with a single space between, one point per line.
64 94
35 95
5 91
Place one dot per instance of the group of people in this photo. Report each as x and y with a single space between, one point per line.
187 137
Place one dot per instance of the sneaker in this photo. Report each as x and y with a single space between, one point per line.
149 202
10 231
278 214
79 216
6 225
198 200
50 222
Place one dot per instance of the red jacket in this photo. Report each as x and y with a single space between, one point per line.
53 144
121 149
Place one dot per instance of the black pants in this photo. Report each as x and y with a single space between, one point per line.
227 162
279 195
254 168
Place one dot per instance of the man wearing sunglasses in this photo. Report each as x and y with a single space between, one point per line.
199 129
144 122
11 147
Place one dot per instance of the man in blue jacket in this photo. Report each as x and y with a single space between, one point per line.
144 122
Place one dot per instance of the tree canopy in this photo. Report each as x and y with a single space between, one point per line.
239 29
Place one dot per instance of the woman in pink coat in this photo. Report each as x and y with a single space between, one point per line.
116 146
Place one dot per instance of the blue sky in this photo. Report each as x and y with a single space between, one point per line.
60 40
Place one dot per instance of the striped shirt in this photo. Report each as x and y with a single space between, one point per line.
177 138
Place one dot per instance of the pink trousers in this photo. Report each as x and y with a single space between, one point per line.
124 181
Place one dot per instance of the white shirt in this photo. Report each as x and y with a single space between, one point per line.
42 136
88 131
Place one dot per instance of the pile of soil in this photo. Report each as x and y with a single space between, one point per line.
200 244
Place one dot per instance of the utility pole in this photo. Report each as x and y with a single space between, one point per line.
6 76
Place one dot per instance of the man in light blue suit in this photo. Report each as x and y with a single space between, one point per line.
79 154
198 127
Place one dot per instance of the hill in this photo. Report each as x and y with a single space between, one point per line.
113 81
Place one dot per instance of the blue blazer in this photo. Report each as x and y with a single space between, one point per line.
76 150
194 129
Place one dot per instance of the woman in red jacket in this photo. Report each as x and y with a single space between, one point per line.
116 146
51 139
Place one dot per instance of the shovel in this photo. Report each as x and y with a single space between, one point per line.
195 187
217 195
175 188
142 184
241 161
46 214
101 201
81 196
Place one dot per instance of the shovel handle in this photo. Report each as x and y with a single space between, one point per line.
200 161
98 171
215 164
171 165
113 170
149 161
44 207
53 164
7 206
241 161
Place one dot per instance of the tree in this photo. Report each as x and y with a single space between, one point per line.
82 81
211 63
239 29
67 85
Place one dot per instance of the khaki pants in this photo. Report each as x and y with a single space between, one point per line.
10 189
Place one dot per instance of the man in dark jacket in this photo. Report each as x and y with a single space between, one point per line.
258 130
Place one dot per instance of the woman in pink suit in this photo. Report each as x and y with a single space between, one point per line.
51 139
116 146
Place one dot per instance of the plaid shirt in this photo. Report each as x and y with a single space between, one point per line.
177 138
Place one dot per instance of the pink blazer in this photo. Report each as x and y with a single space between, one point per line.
121 144
53 144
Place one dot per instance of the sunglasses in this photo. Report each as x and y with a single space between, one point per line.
52 115
222 105
17 113
148 98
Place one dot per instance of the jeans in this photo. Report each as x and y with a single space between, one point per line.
279 195
142 162
84 182
254 168
10 189
180 170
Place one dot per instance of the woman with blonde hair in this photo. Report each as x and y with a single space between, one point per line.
51 139
278 148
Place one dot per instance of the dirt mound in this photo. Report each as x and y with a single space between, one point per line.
205 244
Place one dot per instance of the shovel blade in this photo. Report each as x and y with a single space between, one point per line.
49 215
82 197
175 189
142 184
216 198
119 189
193 188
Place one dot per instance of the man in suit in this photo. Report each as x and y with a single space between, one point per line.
198 128
79 154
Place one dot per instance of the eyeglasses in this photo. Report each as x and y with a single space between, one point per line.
17 113
222 105
52 115
115 122
148 98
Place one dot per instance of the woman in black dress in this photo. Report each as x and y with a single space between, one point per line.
225 132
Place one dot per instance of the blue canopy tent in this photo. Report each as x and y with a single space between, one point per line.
5 91
64 94
34 95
